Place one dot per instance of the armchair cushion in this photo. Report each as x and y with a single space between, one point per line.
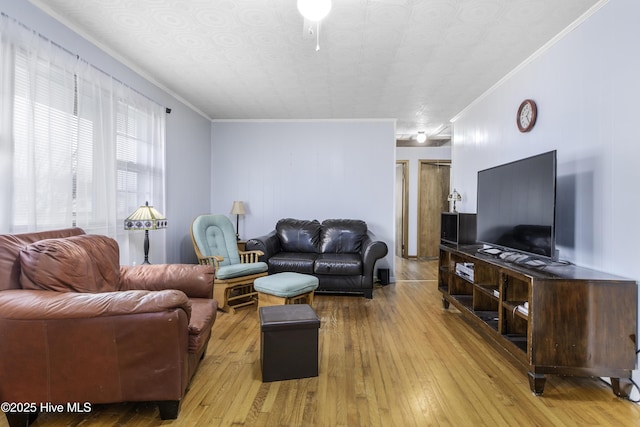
238 270
84 263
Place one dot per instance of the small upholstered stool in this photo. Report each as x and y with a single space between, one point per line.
285 288
288 342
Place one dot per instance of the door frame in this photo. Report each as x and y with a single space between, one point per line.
404 207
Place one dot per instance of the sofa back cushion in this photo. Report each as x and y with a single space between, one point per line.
342 235
85 263
298 235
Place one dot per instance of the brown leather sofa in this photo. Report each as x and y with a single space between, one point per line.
76 327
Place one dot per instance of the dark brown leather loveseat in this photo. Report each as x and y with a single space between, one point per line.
76 327
341 253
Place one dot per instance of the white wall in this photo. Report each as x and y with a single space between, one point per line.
586 88
316 169
188 142
413 155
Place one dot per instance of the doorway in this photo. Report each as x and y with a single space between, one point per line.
433 189
402 208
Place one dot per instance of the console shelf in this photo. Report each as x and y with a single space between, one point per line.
576 321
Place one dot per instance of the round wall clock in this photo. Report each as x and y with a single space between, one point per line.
527 114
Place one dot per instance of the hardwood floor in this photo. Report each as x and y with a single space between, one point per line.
396 360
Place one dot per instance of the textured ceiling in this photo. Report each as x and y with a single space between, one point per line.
417 61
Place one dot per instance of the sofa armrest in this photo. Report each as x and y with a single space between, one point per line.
20 304
372 250
196 281
269 244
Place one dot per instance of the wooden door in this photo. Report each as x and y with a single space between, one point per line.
433 189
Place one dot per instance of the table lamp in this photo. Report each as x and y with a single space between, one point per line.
145 218
237 209
454 197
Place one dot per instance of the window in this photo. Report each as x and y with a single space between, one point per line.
80 148
44 134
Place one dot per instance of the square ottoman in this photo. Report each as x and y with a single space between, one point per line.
288 342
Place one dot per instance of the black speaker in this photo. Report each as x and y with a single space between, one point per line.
458 228
383 276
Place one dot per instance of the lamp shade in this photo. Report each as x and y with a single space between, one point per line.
314 10
454 197
238 208
145 218
421 137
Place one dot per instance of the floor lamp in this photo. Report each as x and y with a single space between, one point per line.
145 218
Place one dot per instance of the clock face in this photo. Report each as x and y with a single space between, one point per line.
526 117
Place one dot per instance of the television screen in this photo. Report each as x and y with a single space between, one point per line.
516 205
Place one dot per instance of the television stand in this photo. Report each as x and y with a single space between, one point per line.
555 320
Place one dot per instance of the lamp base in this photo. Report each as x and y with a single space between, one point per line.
146 247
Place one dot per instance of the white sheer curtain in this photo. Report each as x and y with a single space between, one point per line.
42 122
141 164
6 127
77 147
94 156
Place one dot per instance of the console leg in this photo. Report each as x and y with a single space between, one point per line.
445 303
621 386
536 383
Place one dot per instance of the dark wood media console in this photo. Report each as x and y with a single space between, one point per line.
579 321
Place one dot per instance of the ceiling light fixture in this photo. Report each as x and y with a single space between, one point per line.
314 10
421 138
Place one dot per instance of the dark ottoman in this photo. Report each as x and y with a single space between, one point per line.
289 342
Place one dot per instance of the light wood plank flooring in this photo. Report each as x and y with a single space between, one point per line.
396 360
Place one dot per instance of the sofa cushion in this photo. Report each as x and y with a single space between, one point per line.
292 261
338 264
297 235
342 235
84 263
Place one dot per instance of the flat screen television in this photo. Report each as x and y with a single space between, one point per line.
517 205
